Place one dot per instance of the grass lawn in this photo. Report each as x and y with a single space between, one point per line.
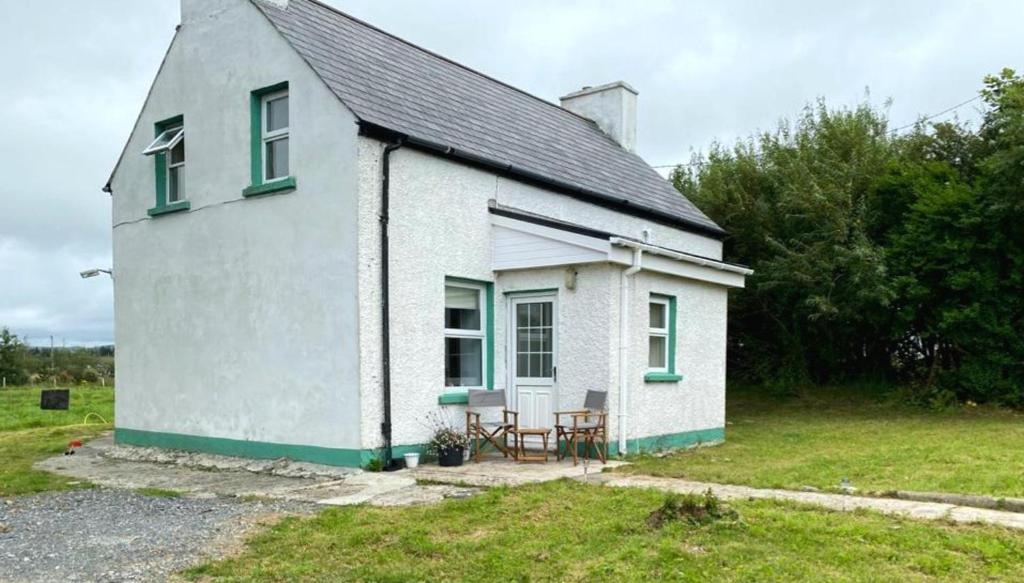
571 531
879 445
28 434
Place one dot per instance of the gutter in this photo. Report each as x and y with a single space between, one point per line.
703 262
627 274
385 308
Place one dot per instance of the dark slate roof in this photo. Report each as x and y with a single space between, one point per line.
392 84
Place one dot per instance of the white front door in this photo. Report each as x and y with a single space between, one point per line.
534 364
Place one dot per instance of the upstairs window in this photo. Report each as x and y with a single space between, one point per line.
168 152
275 136
176 171
270 125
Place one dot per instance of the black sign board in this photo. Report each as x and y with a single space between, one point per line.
55 399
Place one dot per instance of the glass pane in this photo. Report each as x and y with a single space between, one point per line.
178 153
522 365
656 352
522 341
546 314
658 315
535 314
277 159
277 114
545 367
534 365
463 362
175 192
461 308
545 336
165 139
535 340
522 315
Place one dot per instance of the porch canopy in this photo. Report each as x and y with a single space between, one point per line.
524 240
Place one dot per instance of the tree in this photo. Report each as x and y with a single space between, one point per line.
794 202
12 358
877 255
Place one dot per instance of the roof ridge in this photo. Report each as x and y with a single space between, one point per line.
427 51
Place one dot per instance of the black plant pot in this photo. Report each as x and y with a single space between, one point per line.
450 458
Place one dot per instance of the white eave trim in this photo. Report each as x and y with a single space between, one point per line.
655 250
618 250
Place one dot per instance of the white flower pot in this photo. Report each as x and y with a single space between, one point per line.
412 460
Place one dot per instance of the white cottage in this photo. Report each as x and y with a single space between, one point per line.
323 232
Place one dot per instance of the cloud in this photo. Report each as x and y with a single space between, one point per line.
76 74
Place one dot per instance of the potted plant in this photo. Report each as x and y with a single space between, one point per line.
447 442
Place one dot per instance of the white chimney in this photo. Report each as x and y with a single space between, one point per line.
611 106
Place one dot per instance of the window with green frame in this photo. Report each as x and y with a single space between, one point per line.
661 340
270 139
168 151
468 338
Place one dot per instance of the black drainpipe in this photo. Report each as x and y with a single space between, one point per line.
385 427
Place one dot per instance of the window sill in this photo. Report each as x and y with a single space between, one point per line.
174 207
662 377
270 187
453 399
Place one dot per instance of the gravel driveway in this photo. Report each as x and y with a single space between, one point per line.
120 535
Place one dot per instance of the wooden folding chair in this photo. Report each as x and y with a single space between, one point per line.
589 423
481 432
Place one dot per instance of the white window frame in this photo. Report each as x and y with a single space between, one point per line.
155 147
480 334
269 136
181 173
658 332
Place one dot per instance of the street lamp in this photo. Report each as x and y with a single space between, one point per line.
94 272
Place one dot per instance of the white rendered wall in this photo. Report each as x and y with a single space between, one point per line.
239 319
698 401
440 226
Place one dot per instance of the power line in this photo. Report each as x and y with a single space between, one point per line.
935 115
894 131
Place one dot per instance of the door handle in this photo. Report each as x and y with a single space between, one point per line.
554 373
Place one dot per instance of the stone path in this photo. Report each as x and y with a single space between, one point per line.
102 463
842 502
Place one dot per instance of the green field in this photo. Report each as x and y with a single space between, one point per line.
878 444
28 434
567 531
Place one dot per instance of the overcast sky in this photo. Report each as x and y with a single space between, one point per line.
75 75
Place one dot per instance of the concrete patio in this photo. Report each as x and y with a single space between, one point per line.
498 471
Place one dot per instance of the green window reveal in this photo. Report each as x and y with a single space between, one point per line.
661 340
270 162
168 151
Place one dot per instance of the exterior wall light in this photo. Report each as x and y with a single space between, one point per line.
94 272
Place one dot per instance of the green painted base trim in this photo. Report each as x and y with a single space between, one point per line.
662 377
397 452
656 443
240 448
270 187
356 458
671 441
453 399
174 207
